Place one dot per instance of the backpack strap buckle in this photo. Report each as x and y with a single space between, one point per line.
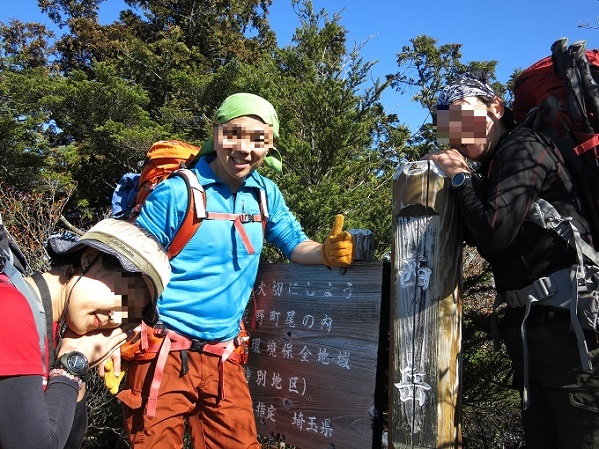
249 218
197 345
542 288
159 329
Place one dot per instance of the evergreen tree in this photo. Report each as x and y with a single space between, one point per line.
339 146
424 68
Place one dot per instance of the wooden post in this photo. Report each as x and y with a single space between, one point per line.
425 347
363 244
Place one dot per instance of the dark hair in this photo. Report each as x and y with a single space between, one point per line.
71 262
507 119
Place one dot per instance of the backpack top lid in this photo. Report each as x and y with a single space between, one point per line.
164 157
542 80
534 85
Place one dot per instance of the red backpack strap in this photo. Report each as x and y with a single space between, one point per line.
195 213
592 142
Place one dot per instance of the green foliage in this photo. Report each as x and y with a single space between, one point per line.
23 126
335 141
105 124
491 413
220 32
105 418
425 68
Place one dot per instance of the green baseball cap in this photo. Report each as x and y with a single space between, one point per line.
240 104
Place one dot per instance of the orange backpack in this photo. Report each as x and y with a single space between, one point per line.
162 159
168 158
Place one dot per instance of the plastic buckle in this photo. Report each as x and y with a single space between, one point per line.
197 345
159 329
542 288
246 218
243 341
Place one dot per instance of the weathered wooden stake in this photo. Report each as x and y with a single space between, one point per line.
425 349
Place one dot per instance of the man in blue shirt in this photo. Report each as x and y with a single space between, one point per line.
201 378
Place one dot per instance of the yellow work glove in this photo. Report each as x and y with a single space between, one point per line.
338 248
111 381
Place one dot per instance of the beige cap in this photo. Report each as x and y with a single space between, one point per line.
136 250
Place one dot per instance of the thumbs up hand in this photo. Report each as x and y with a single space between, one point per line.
338 248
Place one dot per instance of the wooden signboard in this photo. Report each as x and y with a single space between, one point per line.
425 347
313 353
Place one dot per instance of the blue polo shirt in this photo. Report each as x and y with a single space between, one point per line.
213 276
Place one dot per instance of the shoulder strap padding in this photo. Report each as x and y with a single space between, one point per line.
44 290
195 213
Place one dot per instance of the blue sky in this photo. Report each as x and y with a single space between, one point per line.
514 32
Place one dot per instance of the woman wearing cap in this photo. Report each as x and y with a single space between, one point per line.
211 284
519 166
96 282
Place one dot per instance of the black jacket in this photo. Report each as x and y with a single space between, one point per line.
494 207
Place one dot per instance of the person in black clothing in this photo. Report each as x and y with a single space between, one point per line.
110 276
517 167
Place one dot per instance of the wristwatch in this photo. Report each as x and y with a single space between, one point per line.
76 363
459 179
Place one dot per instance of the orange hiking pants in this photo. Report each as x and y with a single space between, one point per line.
214 423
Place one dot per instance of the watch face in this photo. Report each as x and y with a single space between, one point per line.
77 363
458 179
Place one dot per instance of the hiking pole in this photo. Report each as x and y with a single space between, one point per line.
590 89
566 69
